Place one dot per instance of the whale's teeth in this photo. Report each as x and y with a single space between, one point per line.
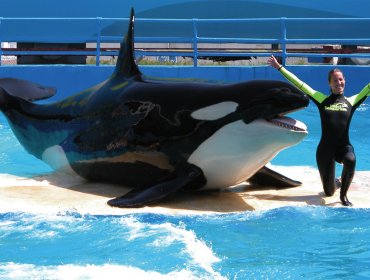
289 123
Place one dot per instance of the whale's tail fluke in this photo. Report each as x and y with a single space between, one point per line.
126 64
22 89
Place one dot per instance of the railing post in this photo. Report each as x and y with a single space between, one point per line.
98 41
195 42
283 42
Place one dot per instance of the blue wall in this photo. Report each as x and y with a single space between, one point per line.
181 9
185 8
73 79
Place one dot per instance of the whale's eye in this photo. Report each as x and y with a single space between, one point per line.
285 90
281 90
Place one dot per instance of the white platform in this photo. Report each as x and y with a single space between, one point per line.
58 193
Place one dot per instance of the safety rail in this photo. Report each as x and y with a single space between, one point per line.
279 32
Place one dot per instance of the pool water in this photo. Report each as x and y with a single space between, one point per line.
284 243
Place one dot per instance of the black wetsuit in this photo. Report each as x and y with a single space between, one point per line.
336 112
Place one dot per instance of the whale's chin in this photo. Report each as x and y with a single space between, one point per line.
238 150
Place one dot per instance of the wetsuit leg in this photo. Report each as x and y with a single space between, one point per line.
326 164
349 165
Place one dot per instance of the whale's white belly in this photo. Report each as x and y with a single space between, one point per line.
238 150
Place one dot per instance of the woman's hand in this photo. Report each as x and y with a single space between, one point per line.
273 62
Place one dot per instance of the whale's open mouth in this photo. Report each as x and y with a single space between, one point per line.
289 123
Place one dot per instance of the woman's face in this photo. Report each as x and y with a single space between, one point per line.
337 82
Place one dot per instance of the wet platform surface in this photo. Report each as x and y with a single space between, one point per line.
57 193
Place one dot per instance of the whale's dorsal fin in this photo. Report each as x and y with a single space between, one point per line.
126 64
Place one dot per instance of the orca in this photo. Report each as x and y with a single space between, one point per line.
158 137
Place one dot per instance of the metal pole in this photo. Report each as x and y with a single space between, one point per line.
98 41
1 49
195 42
283 43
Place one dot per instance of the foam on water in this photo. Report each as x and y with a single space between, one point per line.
290 242
106 271
196 251
36 245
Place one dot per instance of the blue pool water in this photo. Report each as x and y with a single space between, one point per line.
285 243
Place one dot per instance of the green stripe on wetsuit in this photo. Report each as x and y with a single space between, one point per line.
318 96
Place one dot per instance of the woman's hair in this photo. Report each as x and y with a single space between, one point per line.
332 71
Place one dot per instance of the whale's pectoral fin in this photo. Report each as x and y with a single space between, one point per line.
267 177
25 89
189 176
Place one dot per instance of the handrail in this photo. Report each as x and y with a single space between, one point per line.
284 34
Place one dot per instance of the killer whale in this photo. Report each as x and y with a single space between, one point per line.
158 137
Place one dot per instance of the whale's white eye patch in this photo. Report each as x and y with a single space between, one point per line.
215 111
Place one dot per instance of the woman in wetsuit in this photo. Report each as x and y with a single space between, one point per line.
336 112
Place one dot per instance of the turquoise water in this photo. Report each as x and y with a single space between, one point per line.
285 243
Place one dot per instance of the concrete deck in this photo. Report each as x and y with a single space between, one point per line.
57 193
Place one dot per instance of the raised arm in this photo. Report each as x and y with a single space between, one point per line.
360 96
316 95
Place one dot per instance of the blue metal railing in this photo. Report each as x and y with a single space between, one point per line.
274 31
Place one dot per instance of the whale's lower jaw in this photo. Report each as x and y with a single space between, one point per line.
238 150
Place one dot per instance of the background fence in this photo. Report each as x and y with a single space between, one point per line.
313 38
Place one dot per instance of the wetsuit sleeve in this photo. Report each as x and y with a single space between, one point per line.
360 96
315 95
